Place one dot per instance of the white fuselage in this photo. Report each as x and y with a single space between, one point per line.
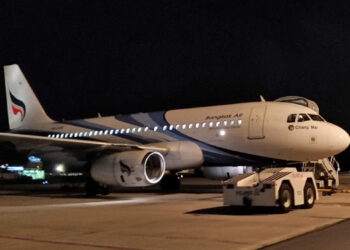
246 133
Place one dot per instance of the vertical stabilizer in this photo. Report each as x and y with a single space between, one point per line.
23 108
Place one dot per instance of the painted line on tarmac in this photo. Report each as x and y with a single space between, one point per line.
334 190
64 243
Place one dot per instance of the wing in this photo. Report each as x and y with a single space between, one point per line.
81 150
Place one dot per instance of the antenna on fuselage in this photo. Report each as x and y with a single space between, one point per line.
262 98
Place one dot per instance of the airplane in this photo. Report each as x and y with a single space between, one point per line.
136 150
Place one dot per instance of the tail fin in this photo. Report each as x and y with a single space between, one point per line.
23 108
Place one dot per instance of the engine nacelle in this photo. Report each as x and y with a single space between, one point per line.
181 154
129 169
224 173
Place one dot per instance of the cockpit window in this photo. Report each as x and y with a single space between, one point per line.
303 118
316 117
291 118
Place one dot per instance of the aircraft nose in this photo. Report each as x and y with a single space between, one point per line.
339 140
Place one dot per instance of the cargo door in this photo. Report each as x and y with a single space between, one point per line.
256 123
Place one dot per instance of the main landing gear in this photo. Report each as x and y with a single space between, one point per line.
92 188
170 183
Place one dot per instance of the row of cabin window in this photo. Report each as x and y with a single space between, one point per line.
145 129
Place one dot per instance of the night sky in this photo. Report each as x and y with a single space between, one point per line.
85 57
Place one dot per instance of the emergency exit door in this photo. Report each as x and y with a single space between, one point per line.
256 123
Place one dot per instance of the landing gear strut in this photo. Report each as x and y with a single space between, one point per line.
92 188
170 183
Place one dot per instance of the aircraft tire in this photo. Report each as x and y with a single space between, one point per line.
170 183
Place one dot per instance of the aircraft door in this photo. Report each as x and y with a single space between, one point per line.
256 123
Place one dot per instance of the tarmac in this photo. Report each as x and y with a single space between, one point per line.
147 219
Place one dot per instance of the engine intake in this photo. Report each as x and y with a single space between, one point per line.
129 169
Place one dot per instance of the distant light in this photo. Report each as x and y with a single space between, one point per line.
60 168
15 168
33 158
45 182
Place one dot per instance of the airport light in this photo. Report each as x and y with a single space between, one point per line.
60 168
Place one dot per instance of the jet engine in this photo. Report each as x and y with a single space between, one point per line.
129 169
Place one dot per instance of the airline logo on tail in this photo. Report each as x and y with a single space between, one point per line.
18 107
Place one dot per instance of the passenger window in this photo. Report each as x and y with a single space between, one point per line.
291 118
303 118
316 117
